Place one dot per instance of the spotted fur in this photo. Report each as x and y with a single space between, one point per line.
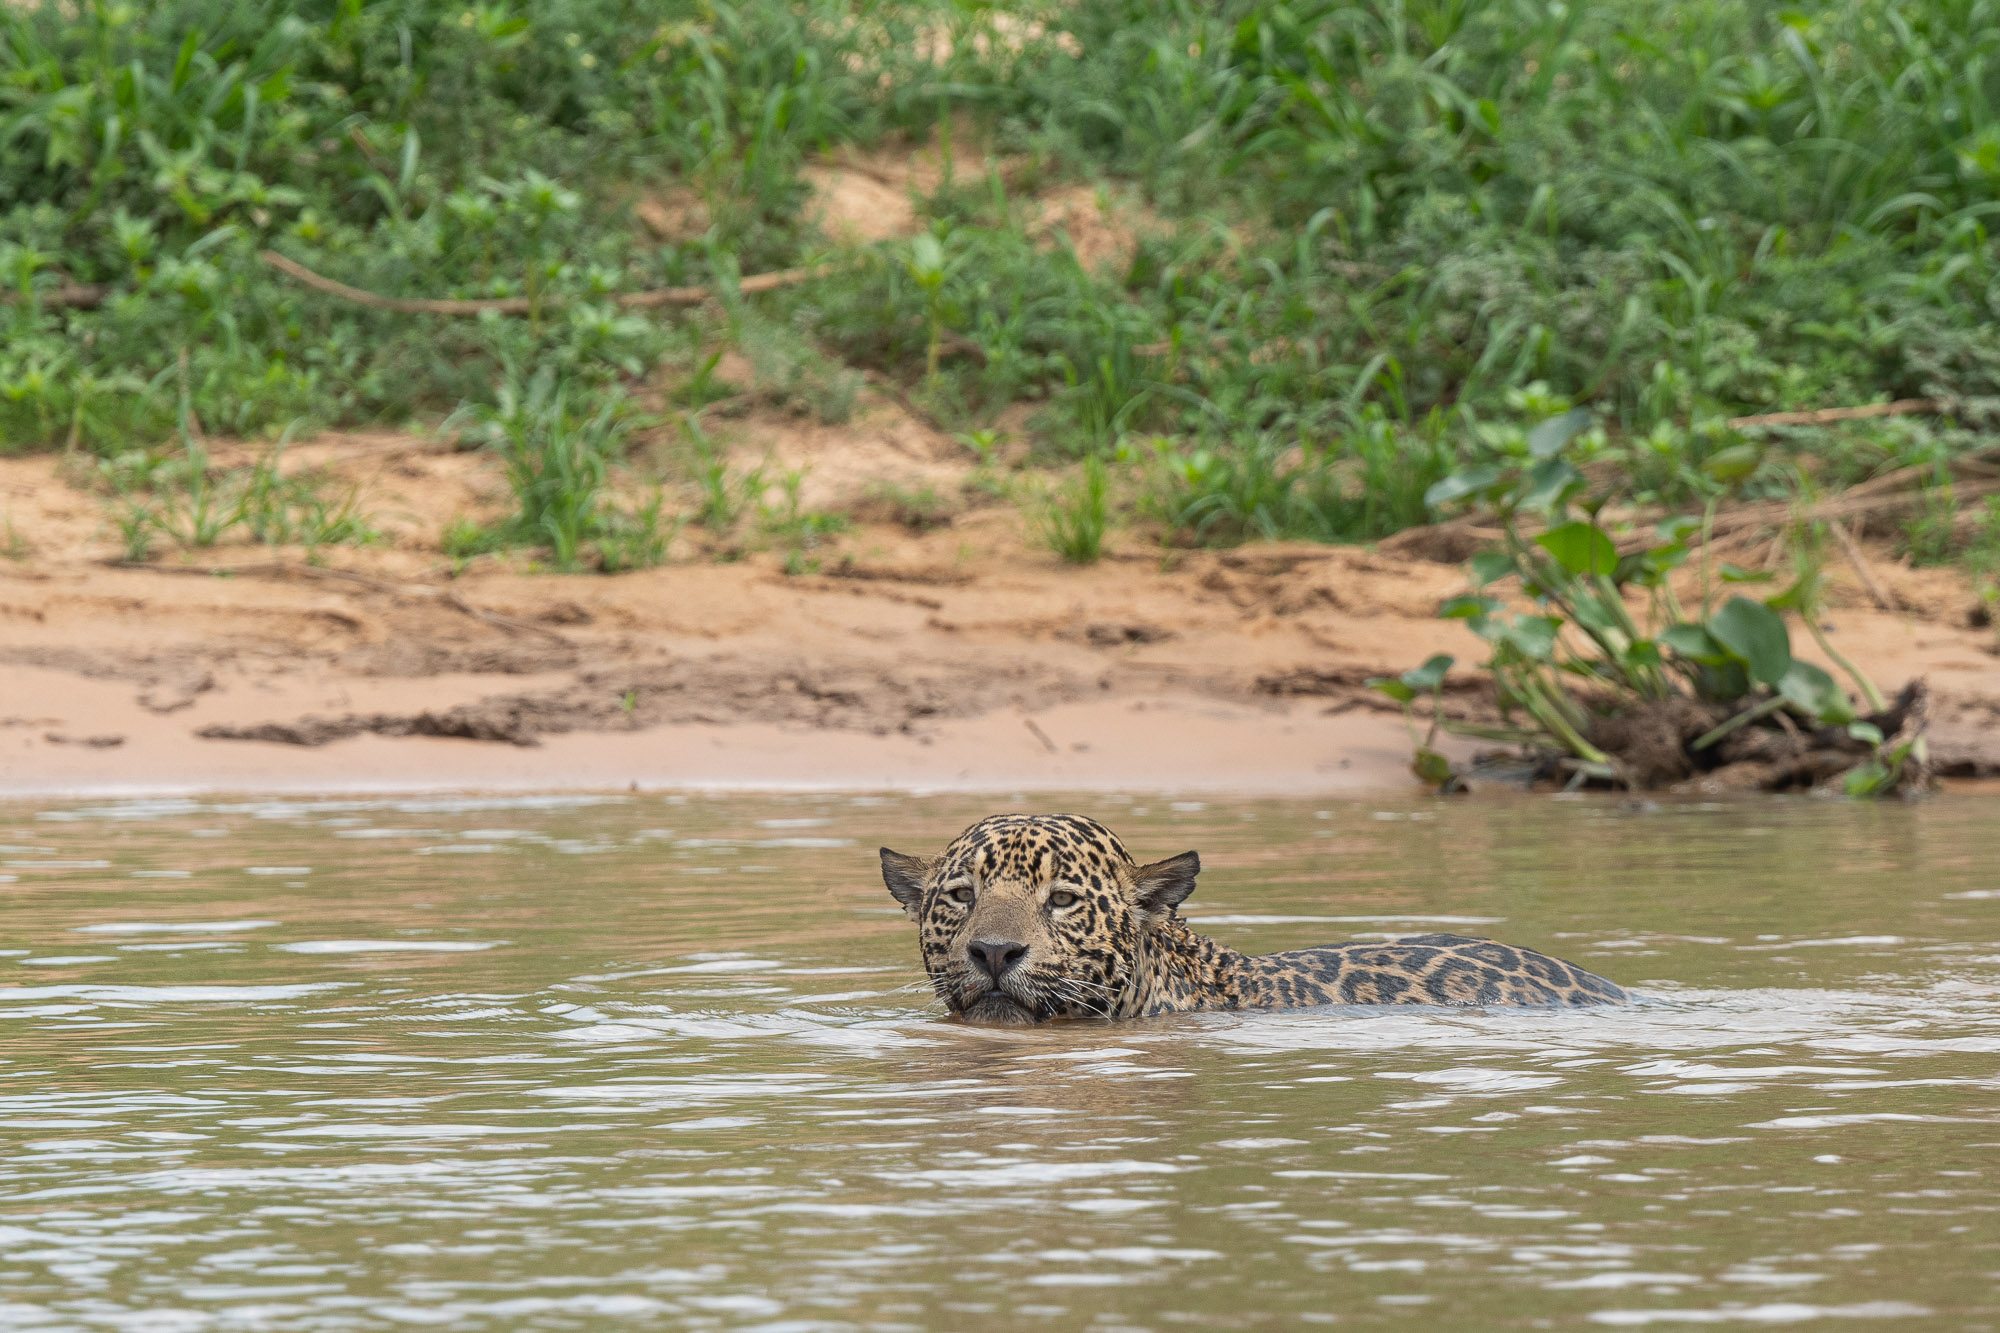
1025 918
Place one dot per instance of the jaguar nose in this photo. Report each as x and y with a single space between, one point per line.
996 956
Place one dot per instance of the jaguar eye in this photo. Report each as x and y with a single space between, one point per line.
1063 898
960 893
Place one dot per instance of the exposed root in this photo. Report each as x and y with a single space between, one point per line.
1653 746
1652 741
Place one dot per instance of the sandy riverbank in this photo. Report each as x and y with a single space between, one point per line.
960 657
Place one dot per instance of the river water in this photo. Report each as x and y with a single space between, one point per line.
662 1062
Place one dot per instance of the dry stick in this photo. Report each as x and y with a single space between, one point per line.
1884 599
77 295
81 295
1902 407
89 295
1870 497
1040 735
520 305
279 569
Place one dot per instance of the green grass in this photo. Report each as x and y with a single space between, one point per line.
1395 232
794 529
1075 517
184 498
557 454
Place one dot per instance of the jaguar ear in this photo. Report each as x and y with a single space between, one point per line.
905 876
1165 885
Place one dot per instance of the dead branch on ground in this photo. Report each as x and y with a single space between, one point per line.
1826 416
521 305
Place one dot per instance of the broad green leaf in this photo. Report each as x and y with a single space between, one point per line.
1649 568
1753 632
1431 674
1488 566
1815 694
1458 485
1534 637
1724 682
1695 643
1395 689
1431 767
1581 548
1645 653
1547 439
1737 574
1865 731
1868 779
1798 597
1551 484
1733 464
1466 608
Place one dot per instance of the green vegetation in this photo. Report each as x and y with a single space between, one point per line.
556 458
1075 517
1645 700
797 531
182 496
1392 235
185 499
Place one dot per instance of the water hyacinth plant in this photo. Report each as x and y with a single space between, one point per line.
1609 673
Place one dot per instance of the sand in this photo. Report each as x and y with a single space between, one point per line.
961 657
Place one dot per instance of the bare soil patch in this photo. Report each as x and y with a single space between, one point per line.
958 654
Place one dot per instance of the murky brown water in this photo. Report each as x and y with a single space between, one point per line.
567 1064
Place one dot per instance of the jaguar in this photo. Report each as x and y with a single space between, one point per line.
1029 918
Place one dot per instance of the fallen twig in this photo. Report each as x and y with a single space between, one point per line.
521 305
1892 491
89 295
71 295
457 603
1884 599
1824 416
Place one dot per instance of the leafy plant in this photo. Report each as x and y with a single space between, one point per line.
636 540
800 532
557 456
1074 520
927 268
297 510
724 497
1584 655
919 509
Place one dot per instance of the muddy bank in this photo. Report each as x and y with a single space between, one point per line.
959 655
1164 741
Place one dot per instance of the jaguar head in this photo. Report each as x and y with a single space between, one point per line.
1025 918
